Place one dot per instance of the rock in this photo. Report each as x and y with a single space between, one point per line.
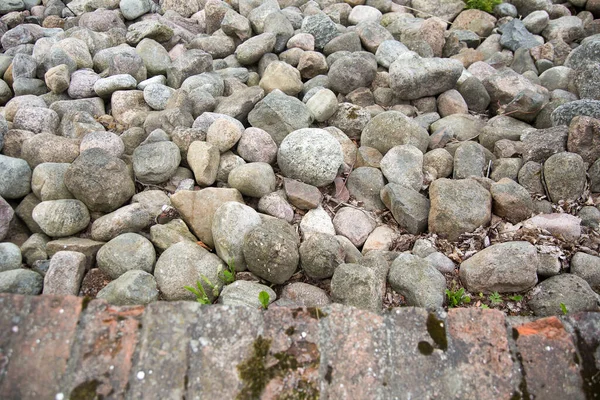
413 78
10 256
392 128
82 84
164 236
439 163
321 27
231 222
134 287
256 145
539 145
440 262
356 225
65 274
271 251
316 220
157 95
187 264
403 165
133 9
208 200
282 76
102 182
15 177
132 218
203 158
156 162
565 178
250 51
505 268
6 216
305 295
418 281
351 72
584 138
568 28
36 120
310 155
245 293
451 102
571 291
227 163
515 35
155 58
590 216
446 10
364 184
511 201
60 218
192 62
564 226
323 104
563 114
150 29
357 286
21 281
301 195
126 252
34 249
513 93
587 267
46 147
153 201
103 140
279 115
457 207
223 134
255 179
320 255
349 118
409 208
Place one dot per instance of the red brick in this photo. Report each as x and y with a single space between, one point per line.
41 350
481 358
13 312
354 348
550 361
101 358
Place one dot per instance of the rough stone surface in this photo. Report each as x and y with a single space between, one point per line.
421 284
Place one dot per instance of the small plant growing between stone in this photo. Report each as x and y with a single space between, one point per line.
200 293
483 5
457 297
563 307
516 297
264 298
228 274
495 298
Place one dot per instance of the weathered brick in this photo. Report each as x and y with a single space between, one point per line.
161 359
41 350
482 366
550 362
294 348
418 354
102 355
354 348
13 315
222 339
587 331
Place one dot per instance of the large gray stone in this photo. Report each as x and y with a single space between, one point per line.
134 287
255 179
65 273
409 208
321 27
60 218
444 9
156 162
131 218
352 72
6 216
271 251
231 222
457 207
47 181
392 128
21 281
15 177
101 181
413 78
563 114
245 293
566 290
310 155
564 174
358 286
320 255
587 266
126 252
403 165
279 114
10 256
505 268
421 284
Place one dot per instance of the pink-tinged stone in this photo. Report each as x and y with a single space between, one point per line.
565 226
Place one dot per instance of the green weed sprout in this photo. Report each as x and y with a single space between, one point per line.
264 298
483 5
564 308
456 298
200 293
228 274
495 298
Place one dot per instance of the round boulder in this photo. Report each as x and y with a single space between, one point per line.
60 218
126 252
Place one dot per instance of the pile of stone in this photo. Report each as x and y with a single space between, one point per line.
166 143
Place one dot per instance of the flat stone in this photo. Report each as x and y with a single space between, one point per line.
564 226
409 208
302 195
132 218
504 267
65 273
87 247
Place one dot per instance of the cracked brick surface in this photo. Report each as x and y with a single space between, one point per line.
60 347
